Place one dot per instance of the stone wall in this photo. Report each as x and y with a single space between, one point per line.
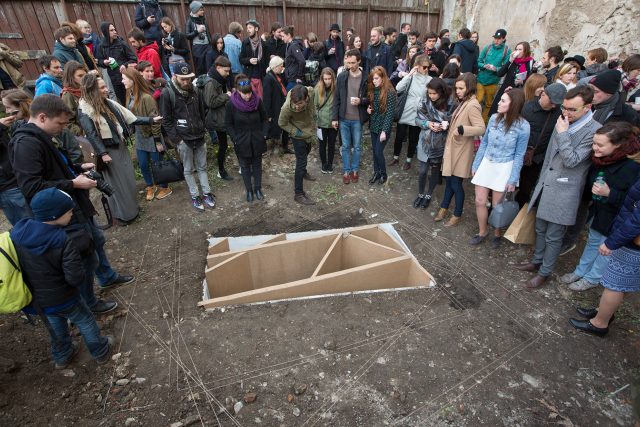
577 25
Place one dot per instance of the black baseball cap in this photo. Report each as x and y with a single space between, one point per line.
500 34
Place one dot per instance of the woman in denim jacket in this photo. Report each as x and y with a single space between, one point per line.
497 164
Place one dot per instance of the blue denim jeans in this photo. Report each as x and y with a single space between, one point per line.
379 164
453 186
98 265
351 133
14 205
592 265
80 315
145 165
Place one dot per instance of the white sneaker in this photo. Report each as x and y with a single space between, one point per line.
569 278
582 285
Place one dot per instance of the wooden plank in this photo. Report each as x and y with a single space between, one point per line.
277 238
219 247
386 274
11 36
230 276
30 54
212 261
357 251
378 235
331 260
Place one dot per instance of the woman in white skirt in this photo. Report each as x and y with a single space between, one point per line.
497 163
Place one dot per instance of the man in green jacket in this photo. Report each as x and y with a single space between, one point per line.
491 59
297 118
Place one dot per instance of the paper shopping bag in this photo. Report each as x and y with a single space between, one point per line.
523 228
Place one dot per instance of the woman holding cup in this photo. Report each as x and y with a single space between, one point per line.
499 159
433 118
516 71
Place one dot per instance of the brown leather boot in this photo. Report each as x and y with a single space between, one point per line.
536 281
453 221
442 213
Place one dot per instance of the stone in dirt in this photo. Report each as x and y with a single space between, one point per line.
68 373
290 398
298 389
531 381
237 407
250 397
296 411
122 382
130 422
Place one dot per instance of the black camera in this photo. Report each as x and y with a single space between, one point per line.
167 42
101 184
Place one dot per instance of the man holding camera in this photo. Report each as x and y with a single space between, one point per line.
148 17
39 161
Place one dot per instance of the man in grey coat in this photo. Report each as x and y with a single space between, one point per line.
559 189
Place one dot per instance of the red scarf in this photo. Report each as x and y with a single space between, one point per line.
72 91
522 63
282 88
619 154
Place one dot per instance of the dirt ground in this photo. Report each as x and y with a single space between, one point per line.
475 350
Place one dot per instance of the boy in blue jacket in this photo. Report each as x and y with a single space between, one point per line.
53 269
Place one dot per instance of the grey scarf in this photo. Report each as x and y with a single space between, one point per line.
604 110
256 47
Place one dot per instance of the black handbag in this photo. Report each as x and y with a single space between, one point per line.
402 100
167 170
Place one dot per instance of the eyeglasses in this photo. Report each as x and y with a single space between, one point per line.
571 110
424 67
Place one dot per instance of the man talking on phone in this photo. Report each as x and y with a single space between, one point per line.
559 189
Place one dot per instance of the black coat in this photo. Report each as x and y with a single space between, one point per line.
50 262
248 130
276 47
619 176
626 225
294 62
38 164
118 50
191 29
334 61
183 118
273 100
439 60
246 53
378 55
509 70
7 177
624 113
180 47
215 97
542 124
468 51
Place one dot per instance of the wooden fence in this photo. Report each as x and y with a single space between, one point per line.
29 25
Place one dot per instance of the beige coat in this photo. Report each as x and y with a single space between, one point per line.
10 62
458 150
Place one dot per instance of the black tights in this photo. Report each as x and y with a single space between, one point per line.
434 178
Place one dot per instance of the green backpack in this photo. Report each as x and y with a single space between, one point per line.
14 293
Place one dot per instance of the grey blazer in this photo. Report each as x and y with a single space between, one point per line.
563 175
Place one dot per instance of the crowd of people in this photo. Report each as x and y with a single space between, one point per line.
560 132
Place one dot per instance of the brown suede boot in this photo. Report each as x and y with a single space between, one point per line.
442 213
453 221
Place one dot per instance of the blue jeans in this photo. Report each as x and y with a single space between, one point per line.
592 265
379 164
145 165
14 205
97 265
453 186
351 133
80 315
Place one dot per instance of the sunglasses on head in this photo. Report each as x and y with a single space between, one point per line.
244 83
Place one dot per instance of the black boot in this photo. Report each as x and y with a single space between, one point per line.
383 178
259 194
249 196
374 178
418 201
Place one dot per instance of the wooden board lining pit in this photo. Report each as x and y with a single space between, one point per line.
310 264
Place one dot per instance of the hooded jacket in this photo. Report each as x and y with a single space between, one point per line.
294 62
7 177
66 54
215 97
50 262
38 164
150 52
48 84
467 51
299 124
116 49
145 9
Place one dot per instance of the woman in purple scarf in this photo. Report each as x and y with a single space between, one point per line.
247 125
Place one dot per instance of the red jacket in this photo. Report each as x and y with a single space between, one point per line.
149 52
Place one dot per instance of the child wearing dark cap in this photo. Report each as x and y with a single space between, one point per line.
53 269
